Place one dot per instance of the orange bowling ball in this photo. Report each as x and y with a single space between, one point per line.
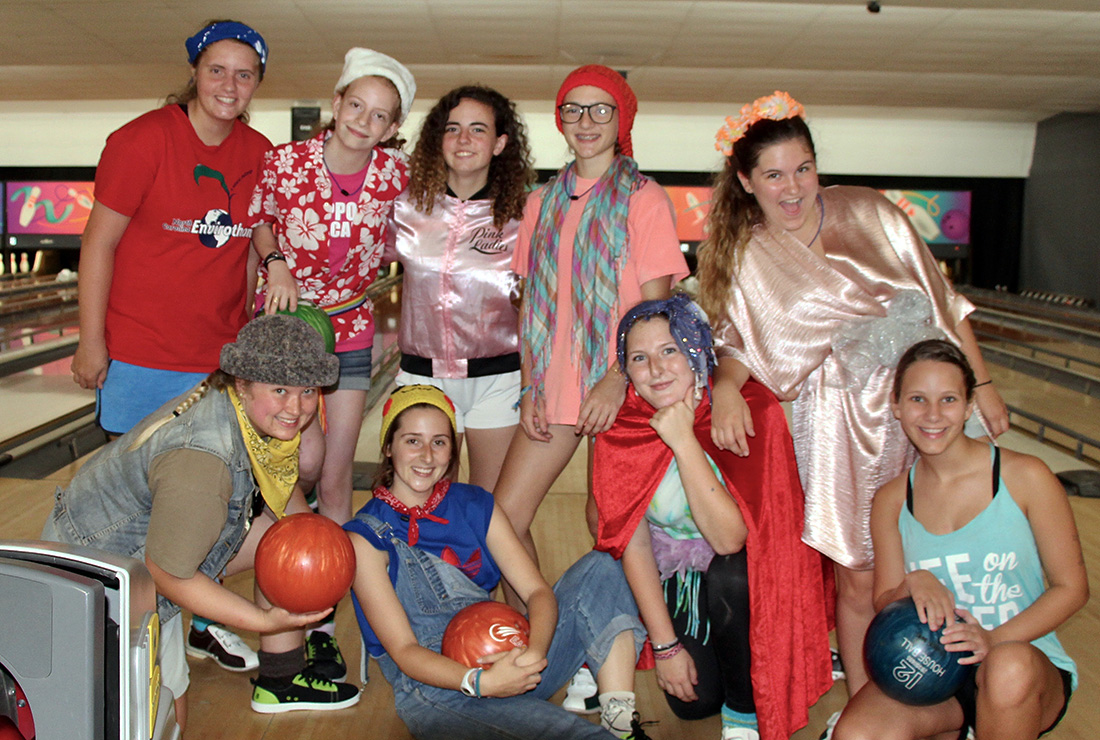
484 628
305 563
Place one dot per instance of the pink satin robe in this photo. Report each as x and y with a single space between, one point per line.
786 308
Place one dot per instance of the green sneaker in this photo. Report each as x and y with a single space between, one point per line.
323 657
306 690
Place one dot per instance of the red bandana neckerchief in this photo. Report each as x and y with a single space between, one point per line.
416 513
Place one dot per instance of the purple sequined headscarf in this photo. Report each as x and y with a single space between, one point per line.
688 325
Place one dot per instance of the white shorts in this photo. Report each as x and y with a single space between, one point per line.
174 673
488 402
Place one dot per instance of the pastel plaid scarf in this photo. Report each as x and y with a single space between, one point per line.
600 249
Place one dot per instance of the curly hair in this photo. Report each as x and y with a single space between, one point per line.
510 172
190 91
734 211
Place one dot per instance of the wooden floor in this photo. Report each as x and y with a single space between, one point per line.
219 700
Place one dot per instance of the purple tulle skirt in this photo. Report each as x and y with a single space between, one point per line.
679 556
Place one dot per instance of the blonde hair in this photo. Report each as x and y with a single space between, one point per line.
395 141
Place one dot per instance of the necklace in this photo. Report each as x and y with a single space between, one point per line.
821 207
332 176
578 196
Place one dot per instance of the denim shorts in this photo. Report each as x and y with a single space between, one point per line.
355 367
131 392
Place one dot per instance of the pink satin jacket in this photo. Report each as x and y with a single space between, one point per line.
459 294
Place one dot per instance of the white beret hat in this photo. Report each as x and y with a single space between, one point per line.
359 62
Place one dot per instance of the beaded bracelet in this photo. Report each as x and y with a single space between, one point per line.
671 652
669 646
522 390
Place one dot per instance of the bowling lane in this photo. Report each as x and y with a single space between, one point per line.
1061 405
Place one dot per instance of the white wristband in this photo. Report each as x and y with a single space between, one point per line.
467 685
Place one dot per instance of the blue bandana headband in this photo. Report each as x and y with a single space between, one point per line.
688 325
226 30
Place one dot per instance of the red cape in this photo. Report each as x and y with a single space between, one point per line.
789 620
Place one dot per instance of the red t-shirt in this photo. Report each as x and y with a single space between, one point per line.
180 274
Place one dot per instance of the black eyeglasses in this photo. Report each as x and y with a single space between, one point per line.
598 112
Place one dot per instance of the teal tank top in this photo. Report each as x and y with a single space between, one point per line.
991 564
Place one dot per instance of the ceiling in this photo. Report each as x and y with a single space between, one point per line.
1026 57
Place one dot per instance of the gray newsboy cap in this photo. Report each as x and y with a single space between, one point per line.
280 350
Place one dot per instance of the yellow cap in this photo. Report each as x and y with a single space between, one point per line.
412 395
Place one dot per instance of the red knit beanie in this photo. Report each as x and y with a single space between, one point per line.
612 83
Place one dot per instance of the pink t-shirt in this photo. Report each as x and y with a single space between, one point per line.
654 252
344 214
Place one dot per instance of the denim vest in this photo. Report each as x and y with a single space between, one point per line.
108 503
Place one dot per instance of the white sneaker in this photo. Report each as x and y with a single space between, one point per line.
616 714
838 667
582 696
224 646
739 733
829 725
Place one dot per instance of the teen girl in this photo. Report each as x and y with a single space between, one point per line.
983 540
191 491
324 205
710 542
163 259
813 291
454 232
597 239
426 547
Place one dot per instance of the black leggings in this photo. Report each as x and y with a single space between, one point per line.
722 662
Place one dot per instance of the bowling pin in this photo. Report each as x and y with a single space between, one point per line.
925 225
26 213
81 198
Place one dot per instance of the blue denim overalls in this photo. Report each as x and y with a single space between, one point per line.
594 605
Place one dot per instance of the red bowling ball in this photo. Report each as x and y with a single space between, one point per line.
305 563
484 628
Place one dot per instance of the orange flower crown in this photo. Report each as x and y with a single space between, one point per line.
777 107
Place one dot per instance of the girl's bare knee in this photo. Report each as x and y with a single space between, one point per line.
1011 674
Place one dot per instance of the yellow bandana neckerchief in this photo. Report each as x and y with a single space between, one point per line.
274 462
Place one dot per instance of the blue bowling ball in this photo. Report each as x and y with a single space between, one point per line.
907 660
